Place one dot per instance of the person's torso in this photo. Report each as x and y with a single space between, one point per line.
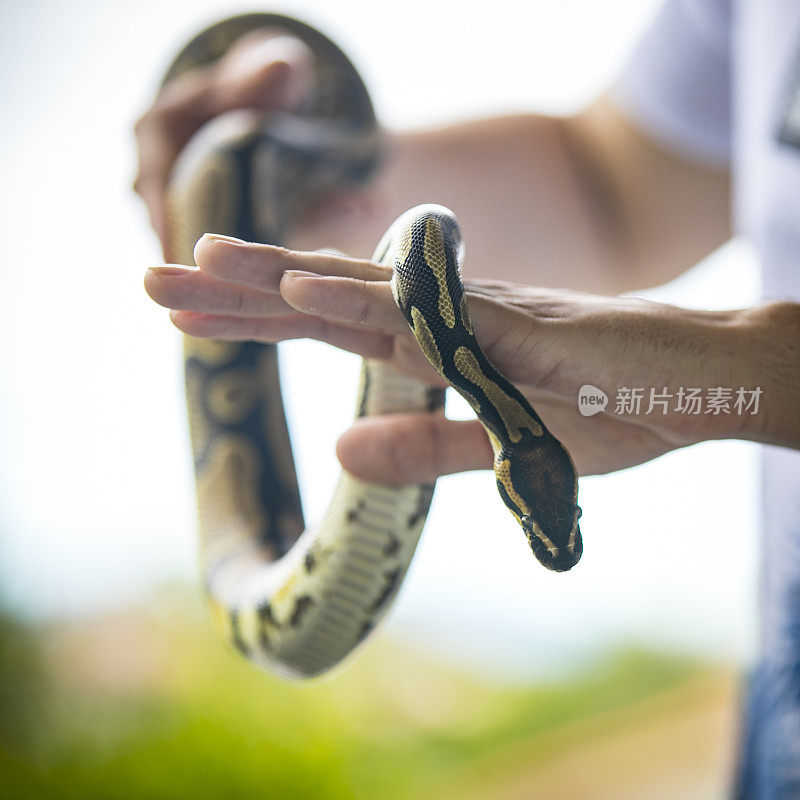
765 60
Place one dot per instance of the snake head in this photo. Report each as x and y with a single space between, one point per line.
562 549
537 481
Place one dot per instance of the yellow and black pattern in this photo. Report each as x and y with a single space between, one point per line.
294 602
535 474
297 601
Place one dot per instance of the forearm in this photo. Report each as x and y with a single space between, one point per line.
523 206
521 202
580 202
771 346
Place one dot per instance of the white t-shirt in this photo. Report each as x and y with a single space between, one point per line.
719 81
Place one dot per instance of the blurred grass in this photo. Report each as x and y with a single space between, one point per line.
149 704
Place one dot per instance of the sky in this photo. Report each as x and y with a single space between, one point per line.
96 492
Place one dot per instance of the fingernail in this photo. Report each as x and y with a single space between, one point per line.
299 273
220 237
181 313
169 271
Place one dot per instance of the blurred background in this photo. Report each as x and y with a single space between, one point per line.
492 678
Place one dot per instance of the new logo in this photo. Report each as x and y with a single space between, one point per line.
591 400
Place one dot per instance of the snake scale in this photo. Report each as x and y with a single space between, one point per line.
297 601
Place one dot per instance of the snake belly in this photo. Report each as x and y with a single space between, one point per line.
294 601
535 474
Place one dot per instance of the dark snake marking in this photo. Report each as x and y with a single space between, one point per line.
535 474
297 603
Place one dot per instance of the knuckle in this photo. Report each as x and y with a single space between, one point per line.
411 450
141 125
151 120
396 449
142 183
362 306
235 301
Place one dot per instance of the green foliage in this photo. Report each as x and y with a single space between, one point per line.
152 706
22 683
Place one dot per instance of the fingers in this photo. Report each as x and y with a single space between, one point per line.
263 70
341 299
193 290
401 449
367 344
255 283
503 332
162 132
261 266
332 288
250 306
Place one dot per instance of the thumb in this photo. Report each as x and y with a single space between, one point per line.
401 449
266 70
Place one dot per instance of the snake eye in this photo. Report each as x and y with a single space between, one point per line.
526 522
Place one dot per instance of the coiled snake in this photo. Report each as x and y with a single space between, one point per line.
298 602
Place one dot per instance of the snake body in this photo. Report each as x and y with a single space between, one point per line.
298 601
535 474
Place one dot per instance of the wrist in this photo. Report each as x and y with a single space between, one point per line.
769 337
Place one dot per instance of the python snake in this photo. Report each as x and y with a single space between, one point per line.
297 602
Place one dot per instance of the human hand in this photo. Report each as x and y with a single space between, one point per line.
549 343
264 70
